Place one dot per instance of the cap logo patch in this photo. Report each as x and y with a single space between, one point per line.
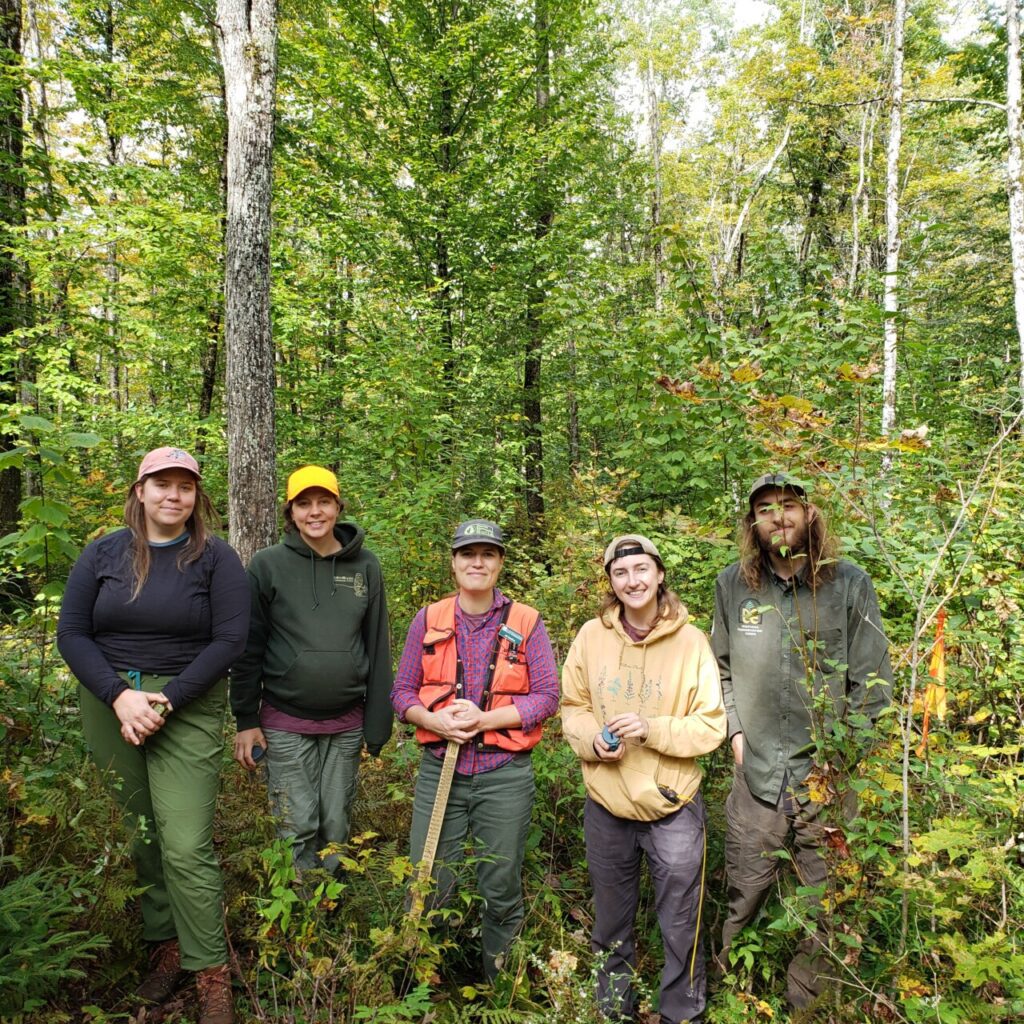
477 530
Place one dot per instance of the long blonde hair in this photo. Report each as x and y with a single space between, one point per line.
198 527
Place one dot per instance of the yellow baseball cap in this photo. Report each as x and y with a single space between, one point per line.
311 476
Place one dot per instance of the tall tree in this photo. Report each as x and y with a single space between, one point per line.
1014 168
248 45
12 214
543 216
892 221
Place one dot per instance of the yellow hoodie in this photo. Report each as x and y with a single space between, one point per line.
670 677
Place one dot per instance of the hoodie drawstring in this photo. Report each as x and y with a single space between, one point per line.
312 573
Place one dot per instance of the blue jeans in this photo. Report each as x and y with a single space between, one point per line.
312 784
495 808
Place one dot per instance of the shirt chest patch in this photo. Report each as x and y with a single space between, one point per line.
357 581
751 618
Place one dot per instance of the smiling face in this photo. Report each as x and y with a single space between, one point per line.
635 580
168 498
780 521
315 512
476 568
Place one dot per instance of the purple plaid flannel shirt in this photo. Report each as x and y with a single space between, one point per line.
475 643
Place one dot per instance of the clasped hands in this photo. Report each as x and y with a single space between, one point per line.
140 714
460 721
627 726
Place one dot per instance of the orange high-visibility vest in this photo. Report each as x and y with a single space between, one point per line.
507 674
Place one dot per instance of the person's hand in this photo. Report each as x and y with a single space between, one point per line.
604 752
737 747
630 726
138 713
244 742
457 721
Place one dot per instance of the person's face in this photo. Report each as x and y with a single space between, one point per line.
314 512
476 567
168 498
635 580
780 520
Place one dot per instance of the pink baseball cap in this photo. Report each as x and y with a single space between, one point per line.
167 458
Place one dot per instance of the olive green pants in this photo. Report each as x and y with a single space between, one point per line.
167 789
754 832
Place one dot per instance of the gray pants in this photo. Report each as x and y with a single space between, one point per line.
312 783
674 848
494 807
755 830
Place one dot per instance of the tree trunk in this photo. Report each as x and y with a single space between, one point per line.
654 117
1015 188
12 215
892 225
248 45
543 215
859 204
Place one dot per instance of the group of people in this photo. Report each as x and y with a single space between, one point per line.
156 616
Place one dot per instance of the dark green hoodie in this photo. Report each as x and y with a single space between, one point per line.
319 641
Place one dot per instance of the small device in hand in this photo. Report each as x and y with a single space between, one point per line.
610 738
257 752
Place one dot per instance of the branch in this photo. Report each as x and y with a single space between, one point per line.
975 101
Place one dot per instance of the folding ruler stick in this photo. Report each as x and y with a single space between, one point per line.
444 786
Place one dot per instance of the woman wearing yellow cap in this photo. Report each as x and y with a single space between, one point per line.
314 683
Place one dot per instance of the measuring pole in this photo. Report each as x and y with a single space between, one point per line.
444 786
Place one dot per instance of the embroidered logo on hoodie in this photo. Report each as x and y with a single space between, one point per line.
357 582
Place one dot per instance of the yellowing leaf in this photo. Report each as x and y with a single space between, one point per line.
797 404
857 374
747 373
709 369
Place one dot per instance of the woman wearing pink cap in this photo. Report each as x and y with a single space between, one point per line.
153 617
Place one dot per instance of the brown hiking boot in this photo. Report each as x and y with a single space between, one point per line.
165 973
216 1005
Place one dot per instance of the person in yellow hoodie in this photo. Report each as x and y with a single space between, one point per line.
641 700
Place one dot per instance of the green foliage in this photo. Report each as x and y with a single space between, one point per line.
40 948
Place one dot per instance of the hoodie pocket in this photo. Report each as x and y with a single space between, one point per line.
324 680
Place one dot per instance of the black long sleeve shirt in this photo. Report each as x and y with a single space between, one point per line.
188 623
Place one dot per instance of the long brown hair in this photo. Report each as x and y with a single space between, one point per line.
669 604
821 554
198 527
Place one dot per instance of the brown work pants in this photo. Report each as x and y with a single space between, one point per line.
755 830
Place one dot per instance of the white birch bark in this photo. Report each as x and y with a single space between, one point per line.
1014 186
248 45
892 226
737 230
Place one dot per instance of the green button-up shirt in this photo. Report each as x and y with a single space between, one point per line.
783 646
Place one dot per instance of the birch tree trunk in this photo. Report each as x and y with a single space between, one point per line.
1015 188
248 46
892 225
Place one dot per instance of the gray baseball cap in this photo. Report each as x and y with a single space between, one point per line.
783 481
478 531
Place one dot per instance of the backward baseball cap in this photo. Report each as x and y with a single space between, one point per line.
478 531
781 481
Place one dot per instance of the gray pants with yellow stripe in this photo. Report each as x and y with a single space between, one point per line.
674 850
167 789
